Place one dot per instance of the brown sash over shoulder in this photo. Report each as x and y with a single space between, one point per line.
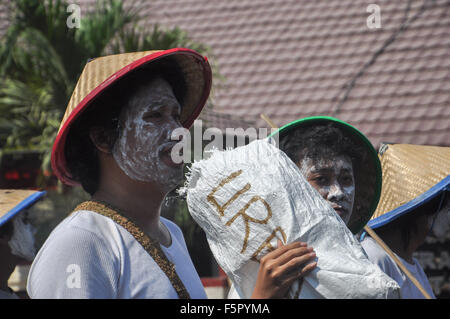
151 246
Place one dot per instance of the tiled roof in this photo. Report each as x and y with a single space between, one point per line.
292 58
222 121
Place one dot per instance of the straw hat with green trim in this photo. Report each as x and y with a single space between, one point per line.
367 174
99 74
13 201
412 176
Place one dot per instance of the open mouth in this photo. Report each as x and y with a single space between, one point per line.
165 152
340 210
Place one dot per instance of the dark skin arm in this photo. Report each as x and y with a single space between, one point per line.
281 267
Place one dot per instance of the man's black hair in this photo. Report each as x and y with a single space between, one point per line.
319 141
7 230
80 152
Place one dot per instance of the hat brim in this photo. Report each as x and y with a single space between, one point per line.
432 193
368 175
191 65
16 201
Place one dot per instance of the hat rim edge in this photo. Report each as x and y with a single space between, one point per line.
24 204
431 193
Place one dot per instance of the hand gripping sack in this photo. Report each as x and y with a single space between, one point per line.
246 198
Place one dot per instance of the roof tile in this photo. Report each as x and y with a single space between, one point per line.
292 58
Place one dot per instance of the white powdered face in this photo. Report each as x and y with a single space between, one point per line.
22 241
143 148
334 180
442 222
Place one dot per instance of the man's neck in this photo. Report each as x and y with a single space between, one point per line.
396 243
141 203
144 210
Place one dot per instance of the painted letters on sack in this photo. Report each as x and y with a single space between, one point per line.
221 208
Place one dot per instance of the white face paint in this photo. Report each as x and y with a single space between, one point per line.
441 224
334 180
22 241
143 147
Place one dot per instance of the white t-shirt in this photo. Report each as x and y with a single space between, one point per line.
407 289
90 256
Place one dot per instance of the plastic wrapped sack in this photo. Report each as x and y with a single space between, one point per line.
246 198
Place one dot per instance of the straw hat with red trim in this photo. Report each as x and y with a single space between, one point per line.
99 74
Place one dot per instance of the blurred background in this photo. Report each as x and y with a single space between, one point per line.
385 70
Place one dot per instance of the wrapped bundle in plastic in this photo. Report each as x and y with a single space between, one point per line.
246 198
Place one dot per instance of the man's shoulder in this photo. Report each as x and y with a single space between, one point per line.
374 251
85 228
86 220
76 248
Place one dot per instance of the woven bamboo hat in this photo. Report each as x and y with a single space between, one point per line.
367 174
99 74
412 176
13 201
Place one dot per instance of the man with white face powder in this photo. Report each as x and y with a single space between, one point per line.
333 179
339 162
327 159
116 141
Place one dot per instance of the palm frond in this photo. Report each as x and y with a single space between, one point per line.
98 29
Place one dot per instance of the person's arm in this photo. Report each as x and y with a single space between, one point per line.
281 267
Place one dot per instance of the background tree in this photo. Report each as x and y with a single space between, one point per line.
41 59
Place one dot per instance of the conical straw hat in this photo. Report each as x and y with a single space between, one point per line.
99 74
412 175
367 173
13 201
